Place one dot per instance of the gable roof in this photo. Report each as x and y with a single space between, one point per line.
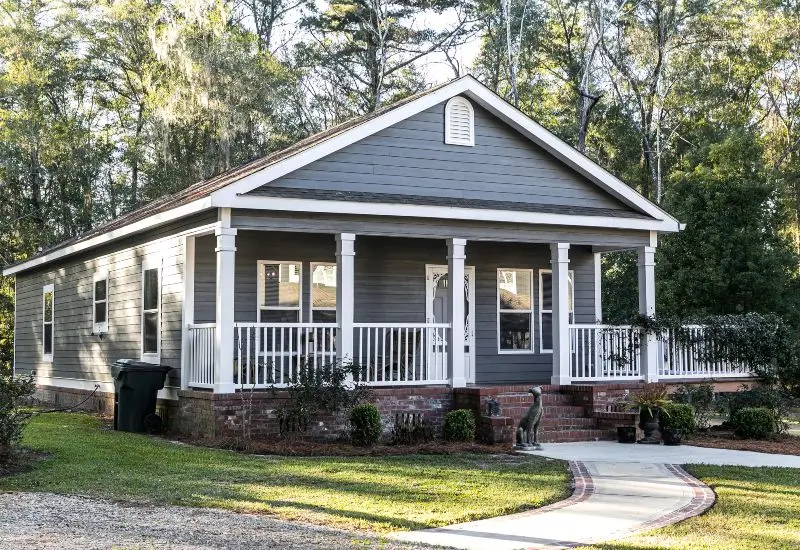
227 189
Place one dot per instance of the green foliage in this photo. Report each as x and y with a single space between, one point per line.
459 425
365 425
411 429
678 416
701 399
648 397
764 397
329 388
754 423
13 393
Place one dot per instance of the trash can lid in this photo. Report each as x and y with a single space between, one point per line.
133 364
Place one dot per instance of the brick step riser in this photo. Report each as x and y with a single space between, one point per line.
547 399
555 411
570 436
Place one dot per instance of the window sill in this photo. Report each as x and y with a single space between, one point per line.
516 352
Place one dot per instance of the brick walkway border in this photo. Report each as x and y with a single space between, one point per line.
582 489
703 499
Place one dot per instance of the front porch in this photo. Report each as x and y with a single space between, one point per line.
526 313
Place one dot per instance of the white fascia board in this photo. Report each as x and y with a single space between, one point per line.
447 212
488 100
124 231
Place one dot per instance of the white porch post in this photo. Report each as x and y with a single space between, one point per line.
345 294
559 260
598 287
455 290
226 268
188 307
647 306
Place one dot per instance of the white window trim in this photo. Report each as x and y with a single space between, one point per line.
148 264
260 292
99 328
571 274
48 357
448 138
530 312
311 308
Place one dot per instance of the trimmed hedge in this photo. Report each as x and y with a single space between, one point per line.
754 423
459 425
365 425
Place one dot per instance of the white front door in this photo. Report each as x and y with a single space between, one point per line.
437 310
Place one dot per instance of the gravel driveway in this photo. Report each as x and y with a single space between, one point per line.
48 521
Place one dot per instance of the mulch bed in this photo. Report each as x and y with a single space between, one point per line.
781 444
303 447
24 461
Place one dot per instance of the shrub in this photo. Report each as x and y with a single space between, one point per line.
459 425
754 423
365 425
678 416
13 392
700 397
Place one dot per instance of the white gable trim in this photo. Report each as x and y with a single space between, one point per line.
445 212
471 88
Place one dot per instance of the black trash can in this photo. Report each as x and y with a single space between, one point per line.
136 387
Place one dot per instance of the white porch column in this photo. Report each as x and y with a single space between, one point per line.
226 268
559 260
598 287
345 294
647 306
188 307
455 291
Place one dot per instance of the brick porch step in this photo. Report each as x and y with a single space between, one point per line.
575 435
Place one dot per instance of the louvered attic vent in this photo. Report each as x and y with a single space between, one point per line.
459 122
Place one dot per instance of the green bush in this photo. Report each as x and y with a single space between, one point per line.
700 397
754 423
678 416
459 425
365 425
13 393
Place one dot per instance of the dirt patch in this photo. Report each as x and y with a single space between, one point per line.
288 447
783 444
24 461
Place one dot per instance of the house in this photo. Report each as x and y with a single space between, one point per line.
447 243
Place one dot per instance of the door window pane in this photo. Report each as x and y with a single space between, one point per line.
100 290
100 312
151 289
150 338
48 307
48 339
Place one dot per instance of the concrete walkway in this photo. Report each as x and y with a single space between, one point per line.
611 500
605 451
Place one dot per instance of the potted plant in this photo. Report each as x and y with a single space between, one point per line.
649 401
676 422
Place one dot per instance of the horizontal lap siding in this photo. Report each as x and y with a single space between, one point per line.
77 353
390 286
411 158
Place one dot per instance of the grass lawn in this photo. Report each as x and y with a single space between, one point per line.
368 493
756 508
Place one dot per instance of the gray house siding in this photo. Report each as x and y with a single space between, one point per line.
390 286
411 158
79 355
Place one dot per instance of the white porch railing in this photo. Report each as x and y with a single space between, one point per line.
201 355
402 353
270 354
687 356
604 352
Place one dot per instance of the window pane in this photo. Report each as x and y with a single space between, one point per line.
515 331
48 339
279 316
48 307
323 286
281 285
324 316
100 312
151 289
547 331
100 290
547 291
515 288
150 332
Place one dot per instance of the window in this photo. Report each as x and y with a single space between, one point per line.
280 287
48 313
546 307
100 304
459 122
323 293
151 310
515 310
